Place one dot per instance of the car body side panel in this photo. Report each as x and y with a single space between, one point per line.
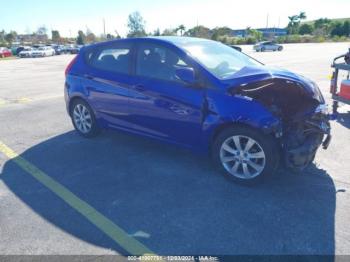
108 93
225 110
169 110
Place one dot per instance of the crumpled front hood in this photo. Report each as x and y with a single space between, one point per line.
251 74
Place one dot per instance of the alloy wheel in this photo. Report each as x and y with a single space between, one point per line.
82 118
242 157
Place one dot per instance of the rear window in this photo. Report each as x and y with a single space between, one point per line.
114 58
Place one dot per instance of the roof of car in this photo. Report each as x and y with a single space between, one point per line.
178 40
175 40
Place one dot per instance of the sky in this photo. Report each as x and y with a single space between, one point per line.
69 16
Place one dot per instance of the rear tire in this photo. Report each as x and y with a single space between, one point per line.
280 48
245 155
83 119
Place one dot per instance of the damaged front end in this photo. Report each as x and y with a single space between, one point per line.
300 106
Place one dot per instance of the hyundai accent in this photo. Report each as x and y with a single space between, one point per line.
202 95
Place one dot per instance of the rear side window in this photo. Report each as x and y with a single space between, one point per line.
114 58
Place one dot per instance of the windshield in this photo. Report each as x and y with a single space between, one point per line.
219 59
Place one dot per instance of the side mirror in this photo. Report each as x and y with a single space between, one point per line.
186 75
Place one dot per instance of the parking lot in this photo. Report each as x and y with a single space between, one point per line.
122 194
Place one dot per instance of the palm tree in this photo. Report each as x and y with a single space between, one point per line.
181 28
249 31
294 22
302 16
293 19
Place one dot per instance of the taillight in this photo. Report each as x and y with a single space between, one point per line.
70 65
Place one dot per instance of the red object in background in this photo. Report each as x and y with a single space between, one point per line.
345 89
4 52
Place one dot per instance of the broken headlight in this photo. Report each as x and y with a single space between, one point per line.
322 109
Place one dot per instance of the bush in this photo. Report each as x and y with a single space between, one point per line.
251 40
281 39
319 39
336 38
344 39
3 44
293 39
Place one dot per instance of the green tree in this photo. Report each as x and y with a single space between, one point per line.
136 25
181 28
56 38
337 29
215 36
110 36
323 27
169 32
42 30
2 36
346 28
292 25
302 16
199 31
90 37
248 31
320 23
257 34
10 37
294 22
305 29
81 39
156 32
219 32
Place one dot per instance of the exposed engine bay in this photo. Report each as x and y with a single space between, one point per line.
304 122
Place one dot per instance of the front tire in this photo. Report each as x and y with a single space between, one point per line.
245 155
83 119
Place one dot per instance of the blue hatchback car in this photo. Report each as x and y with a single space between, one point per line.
203 95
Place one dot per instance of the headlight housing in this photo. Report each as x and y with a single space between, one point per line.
322 109
317 93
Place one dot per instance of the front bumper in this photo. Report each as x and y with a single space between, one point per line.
38 55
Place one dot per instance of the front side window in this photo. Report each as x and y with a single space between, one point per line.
158 62
114 58
219 59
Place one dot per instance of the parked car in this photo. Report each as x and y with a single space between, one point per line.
267 46
43 51
18 49
67 49
202 95
5 52
59 49
75 49
26 52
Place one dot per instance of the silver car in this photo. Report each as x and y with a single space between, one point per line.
267 46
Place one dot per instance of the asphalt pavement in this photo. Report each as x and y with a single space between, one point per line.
121 194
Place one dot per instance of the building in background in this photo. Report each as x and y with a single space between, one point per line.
267 32
32 38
